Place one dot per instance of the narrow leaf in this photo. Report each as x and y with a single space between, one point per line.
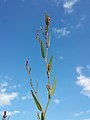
49 37
53 87
36 101
42 49
50 62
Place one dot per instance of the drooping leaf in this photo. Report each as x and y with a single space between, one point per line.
53 87
42 49
50 62
36 101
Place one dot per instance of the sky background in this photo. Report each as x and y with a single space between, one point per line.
70 46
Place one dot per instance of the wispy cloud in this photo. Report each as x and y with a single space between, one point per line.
3 90
56 101
78 25
23 97
27 96
87 119
78 114
10 113
7 77
61 58
68 5
56 2
81 113
3 87
82 17
4 84
5 99
88 66
83 81
61 32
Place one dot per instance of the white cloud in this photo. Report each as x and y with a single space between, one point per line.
87 119
19 85
64 31
83 81
78 25
61 32
5 99
78 114
14 86
79 70
24 98
9 113
5 84
88 66
7 77
57 2
68 5
61 58
3 90
12 113
88 111
27 96
3 87
82 17
81 113
56 101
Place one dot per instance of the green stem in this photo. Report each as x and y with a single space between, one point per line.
47 105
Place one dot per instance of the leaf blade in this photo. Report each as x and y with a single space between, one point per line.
42 49
36 101
53 87
50 62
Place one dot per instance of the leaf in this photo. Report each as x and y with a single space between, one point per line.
53 87
50 62
49 37
42 49
36 101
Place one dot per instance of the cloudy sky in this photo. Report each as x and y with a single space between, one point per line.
70 46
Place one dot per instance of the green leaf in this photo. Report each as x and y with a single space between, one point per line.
53 87
49 37
42 49
50 62
36 101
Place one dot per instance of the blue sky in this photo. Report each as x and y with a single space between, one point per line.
70 46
